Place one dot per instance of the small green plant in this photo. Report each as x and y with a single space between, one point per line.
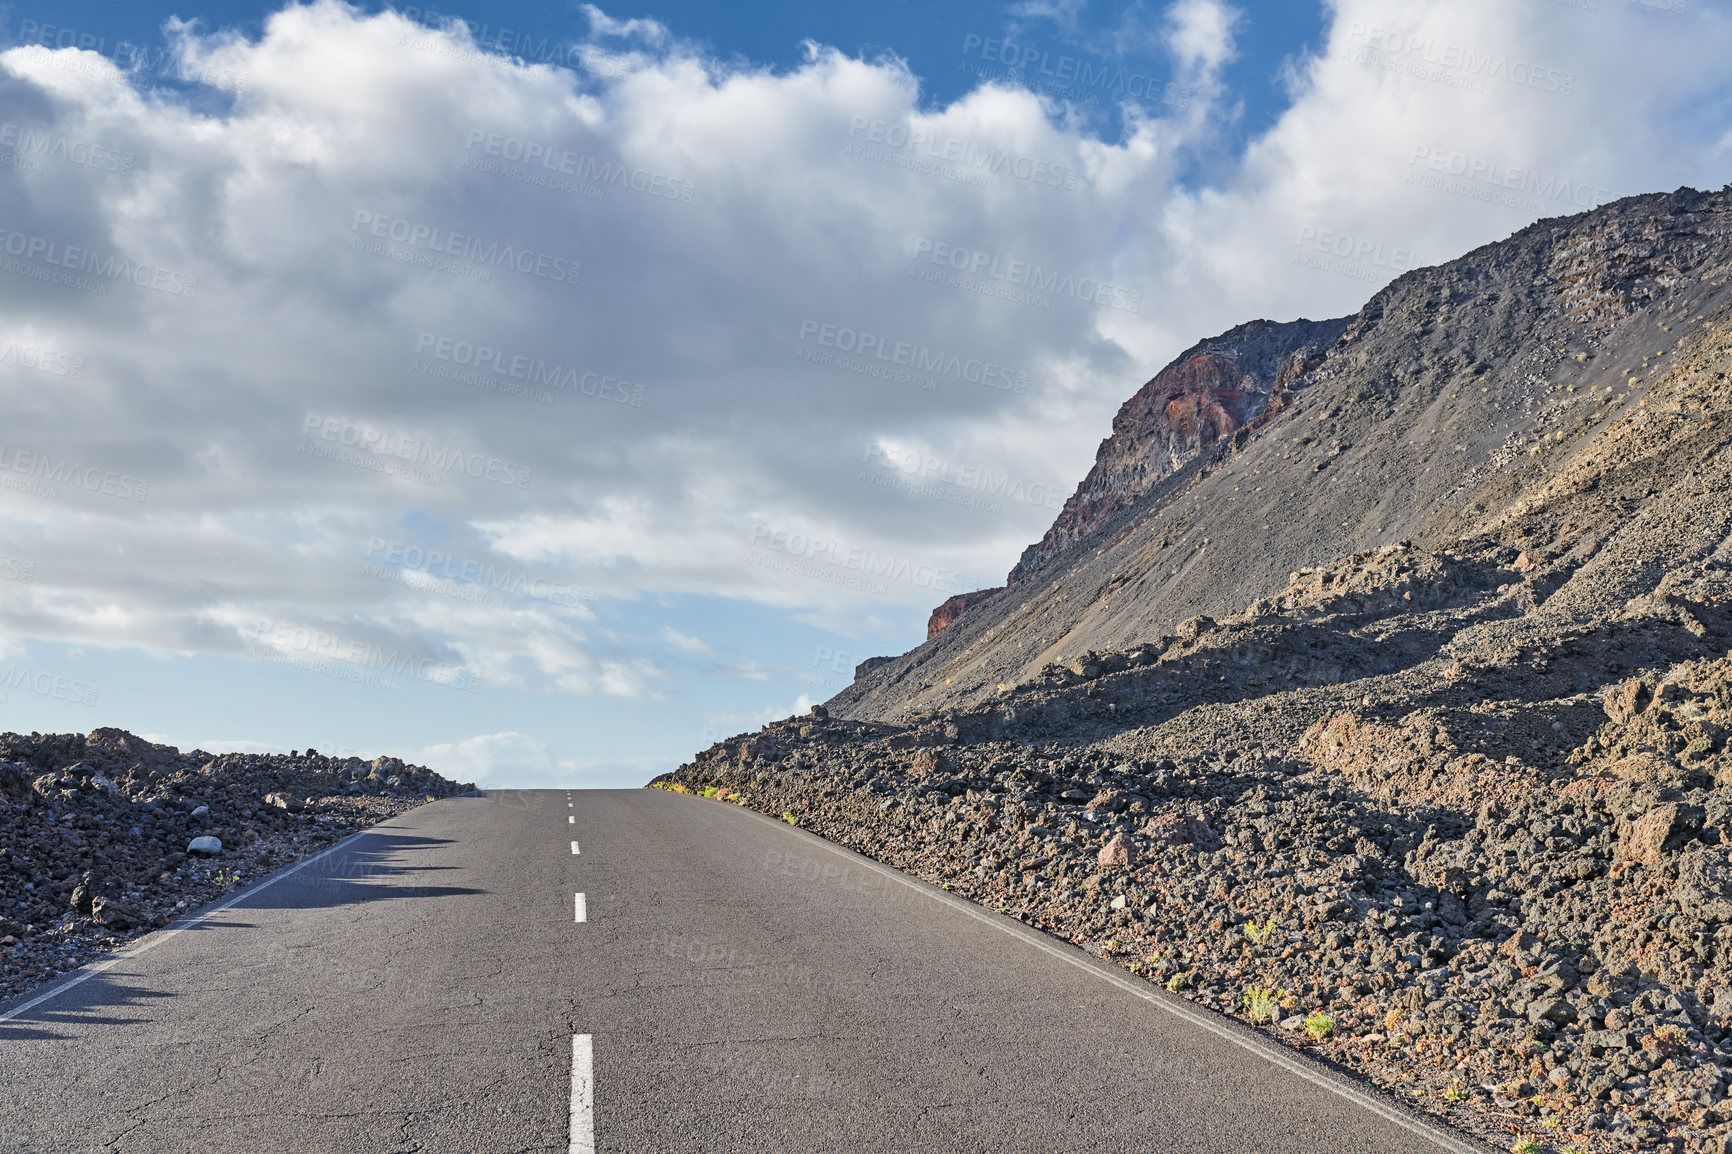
1259 936
790 819
1261 1003
1454 1093
1177 982
1319 1025
1525 1146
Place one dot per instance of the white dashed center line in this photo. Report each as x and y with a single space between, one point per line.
582 1093
570 819
581 910
573 847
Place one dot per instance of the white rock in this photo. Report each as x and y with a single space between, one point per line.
205 845
201 811
1119 902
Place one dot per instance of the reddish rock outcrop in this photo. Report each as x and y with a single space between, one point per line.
947 613
1207 395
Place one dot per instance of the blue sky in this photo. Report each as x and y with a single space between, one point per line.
545 417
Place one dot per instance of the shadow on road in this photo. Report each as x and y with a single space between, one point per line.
105 991
365 871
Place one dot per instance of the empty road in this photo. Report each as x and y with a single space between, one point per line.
636 971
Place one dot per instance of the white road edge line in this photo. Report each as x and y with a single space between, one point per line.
1271 1051
581 911
151 941
573 847
582 1094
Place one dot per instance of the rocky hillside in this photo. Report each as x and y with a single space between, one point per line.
108 836
1396 719
1214 392
1555 392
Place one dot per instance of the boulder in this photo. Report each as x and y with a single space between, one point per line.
1168 829
206 846
1192 628
1108 801
929 761
1704 888
284 800
1118 853
83 894
1662 830
1626 699
15 781
116 915
1554 1011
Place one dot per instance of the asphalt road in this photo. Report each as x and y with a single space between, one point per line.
734 985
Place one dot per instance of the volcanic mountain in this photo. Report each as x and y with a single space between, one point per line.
1559 394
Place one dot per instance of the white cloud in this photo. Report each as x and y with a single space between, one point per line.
1200 34
685 643
345 436
512 760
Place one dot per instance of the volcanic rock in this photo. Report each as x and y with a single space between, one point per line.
1118 853
954 607
115 914
1660 831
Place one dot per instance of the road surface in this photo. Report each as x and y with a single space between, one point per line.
637 971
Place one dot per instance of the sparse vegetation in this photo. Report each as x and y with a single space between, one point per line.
1261 1003
1319 1025
1259 936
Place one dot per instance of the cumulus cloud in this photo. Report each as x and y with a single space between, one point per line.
382 348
